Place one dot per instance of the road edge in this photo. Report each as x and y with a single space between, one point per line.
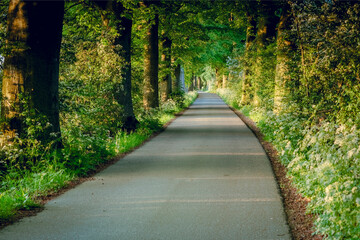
301 224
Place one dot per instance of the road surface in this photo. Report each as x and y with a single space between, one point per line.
205 177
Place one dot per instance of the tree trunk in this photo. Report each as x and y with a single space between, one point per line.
250 37
200 83
31 70
177 86
191 86
151 66
218 79
265 35
284 49
224 80
123 25
166 81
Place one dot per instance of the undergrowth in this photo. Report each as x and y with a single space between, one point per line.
83 151
323 161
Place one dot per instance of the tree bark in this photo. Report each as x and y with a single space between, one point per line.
284 49
31 70
112 12
166 81
250 37
151 66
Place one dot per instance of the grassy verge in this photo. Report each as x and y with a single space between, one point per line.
322 161
22 188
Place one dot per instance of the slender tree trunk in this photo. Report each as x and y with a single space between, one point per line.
218 79
182 79
284 49
177 81
166 81
200 83
31 69
191 87
151 66
250 37
112 12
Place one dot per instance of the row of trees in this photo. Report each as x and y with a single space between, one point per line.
269 50
299 54
35 35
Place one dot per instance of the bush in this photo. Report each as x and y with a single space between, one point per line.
323 162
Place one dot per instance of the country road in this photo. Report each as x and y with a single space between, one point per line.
205 177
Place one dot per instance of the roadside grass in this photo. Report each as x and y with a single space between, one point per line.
23 188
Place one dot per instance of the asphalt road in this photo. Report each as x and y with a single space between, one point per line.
205 177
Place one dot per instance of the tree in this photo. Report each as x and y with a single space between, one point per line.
31 69
246 93
179 81
114 15
264 65
166 81
285 48
151 60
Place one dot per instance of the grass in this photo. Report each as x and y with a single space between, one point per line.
23 188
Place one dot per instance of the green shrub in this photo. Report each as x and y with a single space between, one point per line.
323 162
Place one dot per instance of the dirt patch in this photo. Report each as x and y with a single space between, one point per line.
301 224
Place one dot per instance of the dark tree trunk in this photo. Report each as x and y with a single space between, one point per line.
191 87
177 80
166 81
31 70
218 79
113 10
151 66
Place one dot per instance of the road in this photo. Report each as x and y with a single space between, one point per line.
205 177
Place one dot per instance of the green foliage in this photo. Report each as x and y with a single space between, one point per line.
3 15
326 83
229 96
29 146
323 163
